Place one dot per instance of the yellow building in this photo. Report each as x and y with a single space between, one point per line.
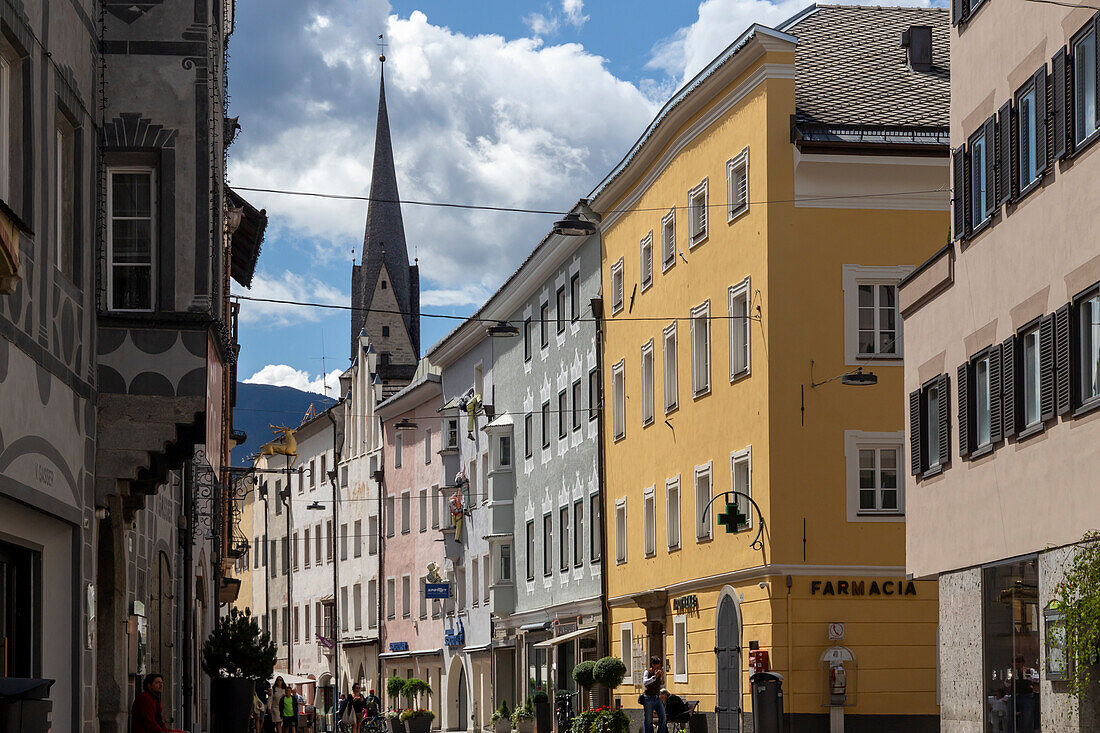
754 238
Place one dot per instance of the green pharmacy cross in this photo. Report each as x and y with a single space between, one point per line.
733 520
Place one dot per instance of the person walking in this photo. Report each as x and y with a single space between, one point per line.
146 715
288 710
275 703
652 681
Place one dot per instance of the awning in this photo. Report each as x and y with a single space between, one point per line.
537 626
411 653
571 636
292 679
247 237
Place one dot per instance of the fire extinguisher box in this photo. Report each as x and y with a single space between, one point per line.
839 677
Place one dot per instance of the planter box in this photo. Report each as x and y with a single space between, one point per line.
230 704
544 717
525 726
502 726
419 724
396 725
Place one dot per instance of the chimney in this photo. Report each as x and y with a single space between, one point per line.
918 40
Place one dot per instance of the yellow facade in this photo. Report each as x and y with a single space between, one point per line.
793 434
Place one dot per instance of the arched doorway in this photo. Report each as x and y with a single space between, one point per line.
727 648
162 638
456 714
463 696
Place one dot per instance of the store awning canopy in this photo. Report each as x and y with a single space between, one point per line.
293 679
571 636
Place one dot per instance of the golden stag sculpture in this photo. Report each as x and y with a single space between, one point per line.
287 447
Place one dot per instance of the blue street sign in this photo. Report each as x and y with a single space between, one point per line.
437 590
399 646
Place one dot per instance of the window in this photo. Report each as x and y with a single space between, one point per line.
577 405
286 555
595 527
929 421
6 89
357 605
504 451
672 513
697 208
737 185
452 433
680 648
505 570
578 532
618 400
274 558
422 583
331 547
646 254
406 596
278 498
1088 347
528 435
563 538
391 598
617 286
527 339
385 329
65 173
563 413
649 521
530 549
647 383
700 349
626 647
980 183
372 603
672 388
257 552
312 476
739 329
593 394
437 501
391 515
305 547
1032 377
317 543
1084 86
406 512
878 480
372 535
668 239
702 499
544 325
547 544
475 567
131 238
297 625
561 314
343 477
1011 620
1031 112
286 625
307 630
357 539
422 509
545 425
575 296
620 531
428 446
398 440
872 323
343 612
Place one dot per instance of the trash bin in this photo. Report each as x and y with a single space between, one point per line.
25 705
767 702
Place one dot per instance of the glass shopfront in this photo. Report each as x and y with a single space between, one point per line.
1010 630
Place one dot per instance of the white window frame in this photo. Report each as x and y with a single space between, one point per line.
680 649
1027 136
668 240
626 642
649 521
1036 383
504 458
704 528
852 277
618 400
648 385
673 519
983 399
700 374
739 458
1084 62
620 531
475 582
670 367
737 198
979 212
618 287
645 257
740 331
153 249
697 235
854 440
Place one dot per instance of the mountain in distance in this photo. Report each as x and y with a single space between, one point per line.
261 405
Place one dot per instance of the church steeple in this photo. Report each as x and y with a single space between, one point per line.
385 280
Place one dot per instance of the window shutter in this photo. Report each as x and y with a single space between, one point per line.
1096 61
960 9
945 420
914 432
1004 154
1008 386
964 408
995 431
958 165
990 164
1063 359
1041 125
1046 369
1059 130
1014 157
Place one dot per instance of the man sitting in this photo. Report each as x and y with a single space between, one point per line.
676 709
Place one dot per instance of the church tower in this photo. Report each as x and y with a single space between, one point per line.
384 281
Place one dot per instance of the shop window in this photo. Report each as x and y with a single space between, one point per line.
20 609
1010 639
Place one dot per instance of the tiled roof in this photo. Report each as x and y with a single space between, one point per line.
850 67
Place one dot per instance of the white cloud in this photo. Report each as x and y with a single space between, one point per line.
720 22
281 375
574 12
473 295
288 286
541 25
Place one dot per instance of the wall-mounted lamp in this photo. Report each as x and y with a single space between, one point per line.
855 378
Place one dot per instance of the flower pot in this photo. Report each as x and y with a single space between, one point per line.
525 726
230 704
544 717
397 725
419 724
502 726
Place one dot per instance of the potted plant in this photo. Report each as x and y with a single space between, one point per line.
544 715
584 675
395 689
416 718
501 719
523 718
608 720
582 722
235 655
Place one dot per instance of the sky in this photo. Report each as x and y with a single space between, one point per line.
501 102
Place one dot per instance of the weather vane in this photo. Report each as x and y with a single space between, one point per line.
381 49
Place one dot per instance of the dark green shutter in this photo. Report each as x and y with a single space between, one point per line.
1004 154
1041 125
914 432
991 165
964 408
1046 369
958 198
1059 114
1014 157
995 371
945 419
1008 386
960 9
1063 358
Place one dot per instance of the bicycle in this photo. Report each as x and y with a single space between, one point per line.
563 710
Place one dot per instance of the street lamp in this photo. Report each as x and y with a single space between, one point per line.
316 506
572 225
404 424
854 378
502 329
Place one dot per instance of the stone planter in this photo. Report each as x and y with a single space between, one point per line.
419 724
396 725
544 717
230 704
502 726
525 726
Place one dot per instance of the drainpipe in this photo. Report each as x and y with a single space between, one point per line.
601 476
333 477
187 602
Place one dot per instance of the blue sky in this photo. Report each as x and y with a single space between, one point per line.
509 103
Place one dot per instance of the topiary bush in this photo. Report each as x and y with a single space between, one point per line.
238 648
609 672
395 689
584 674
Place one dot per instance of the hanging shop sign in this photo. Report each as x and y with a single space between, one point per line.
862 588
686 603
399 646
455 636
437 590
